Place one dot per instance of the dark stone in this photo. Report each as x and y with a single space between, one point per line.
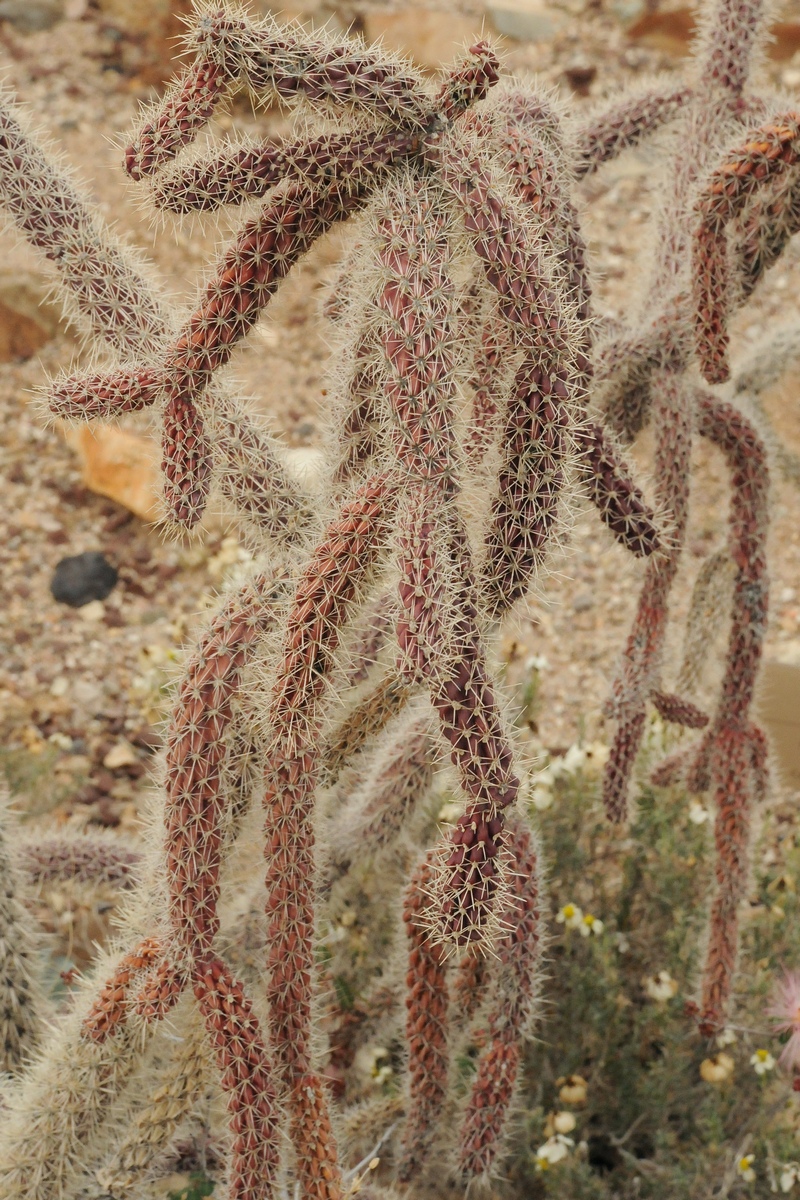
82 578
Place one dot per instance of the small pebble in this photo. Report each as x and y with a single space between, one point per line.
82 578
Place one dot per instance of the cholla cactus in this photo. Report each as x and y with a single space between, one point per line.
466 370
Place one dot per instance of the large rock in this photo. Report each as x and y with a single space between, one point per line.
121 465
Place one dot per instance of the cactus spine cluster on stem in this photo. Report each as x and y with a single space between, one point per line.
470 361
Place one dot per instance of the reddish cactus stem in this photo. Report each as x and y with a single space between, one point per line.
196 797
358 160
678 711
187 456
186 109
233 1030
494 346
763 229
359 437
531 481
512 995
723 424
416 304
249 274
426 1025
367 719
323 601
615 495
292 64
731 32
768 152
110 293
86 859
734 748
441 640
105 396
732 772
606 135
111 1006
642 663
512 266
161 990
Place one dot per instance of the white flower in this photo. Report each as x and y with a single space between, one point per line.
726 1038
698 813
590 925
537 662
573 760
745 1168
554 1149
762 1061
623 943
541 796
661 987
571 916
789 1176
596 754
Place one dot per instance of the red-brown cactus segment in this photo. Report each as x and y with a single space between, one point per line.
769 151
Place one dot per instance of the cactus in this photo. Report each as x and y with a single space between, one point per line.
467 414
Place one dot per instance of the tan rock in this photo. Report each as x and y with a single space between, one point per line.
430 38
121 465
27 320
121 755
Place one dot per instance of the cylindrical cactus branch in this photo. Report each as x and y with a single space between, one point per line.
110 1009
185 110
196 808
537 167
616 496
639 676
243 1064
363 723
85 858
246 278
712 595
21 998
325 596
731 33
439 639
179 1083
610 132
426 1025
761 233
768 152
56 1121
737 746
510 1007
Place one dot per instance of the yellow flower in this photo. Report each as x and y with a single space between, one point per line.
590 924
570 916
762 1061
745 1168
